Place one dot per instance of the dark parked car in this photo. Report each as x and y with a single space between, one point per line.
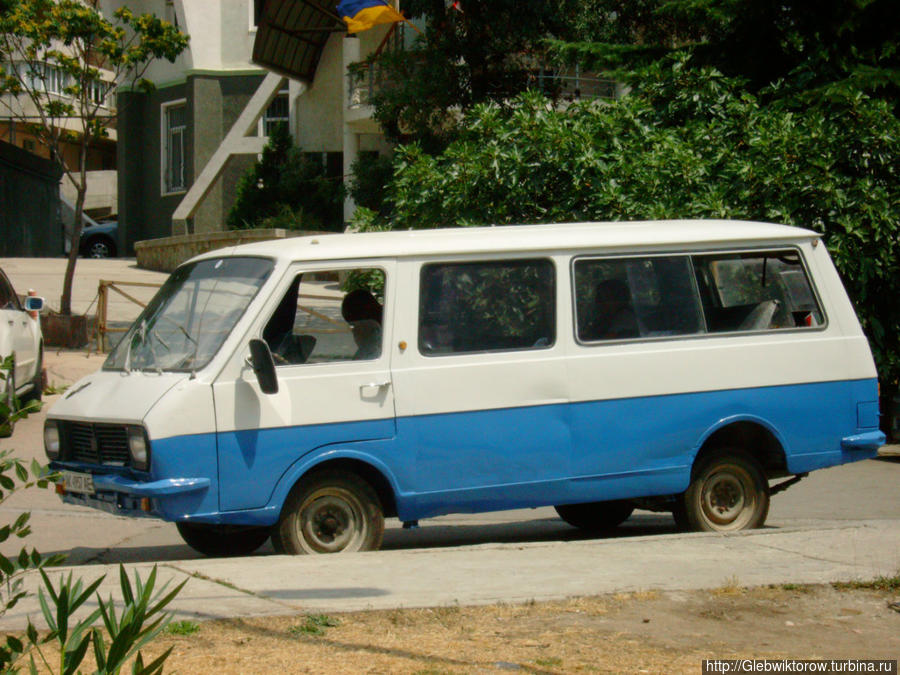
99 241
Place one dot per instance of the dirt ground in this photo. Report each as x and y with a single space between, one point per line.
649 632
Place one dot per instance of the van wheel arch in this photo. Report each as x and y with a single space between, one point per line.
759 457
753 439
375 478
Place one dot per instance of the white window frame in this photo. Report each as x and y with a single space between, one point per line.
264 118
165 188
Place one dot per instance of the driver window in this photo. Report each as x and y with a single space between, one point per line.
327 316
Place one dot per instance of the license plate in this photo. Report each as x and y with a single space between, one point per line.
82 483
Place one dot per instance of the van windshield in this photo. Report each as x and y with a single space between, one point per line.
189 318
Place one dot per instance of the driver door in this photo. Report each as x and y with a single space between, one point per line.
328 328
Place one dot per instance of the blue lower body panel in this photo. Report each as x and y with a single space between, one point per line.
499 459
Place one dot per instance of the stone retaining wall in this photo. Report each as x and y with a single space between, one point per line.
167 253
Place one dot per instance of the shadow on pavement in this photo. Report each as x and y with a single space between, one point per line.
520 532
434 535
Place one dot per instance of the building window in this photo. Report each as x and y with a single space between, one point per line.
277 114
174 122
256 8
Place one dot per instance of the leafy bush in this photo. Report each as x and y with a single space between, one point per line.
688 143
371 174
287 188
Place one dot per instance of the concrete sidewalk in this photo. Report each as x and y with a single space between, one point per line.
472 575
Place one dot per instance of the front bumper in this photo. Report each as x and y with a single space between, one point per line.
124 496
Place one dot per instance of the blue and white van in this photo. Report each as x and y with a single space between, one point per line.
305 390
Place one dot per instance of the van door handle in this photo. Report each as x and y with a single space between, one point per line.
372 388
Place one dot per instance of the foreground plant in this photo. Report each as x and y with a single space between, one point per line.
16 475
142 619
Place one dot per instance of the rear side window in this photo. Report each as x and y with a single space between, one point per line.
486 306
756 291
622 298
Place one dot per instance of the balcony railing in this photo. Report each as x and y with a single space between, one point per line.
562 85
572 84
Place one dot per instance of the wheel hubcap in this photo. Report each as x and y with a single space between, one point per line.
727 500
331 521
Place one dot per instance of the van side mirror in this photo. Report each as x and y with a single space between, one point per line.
34 303
263 366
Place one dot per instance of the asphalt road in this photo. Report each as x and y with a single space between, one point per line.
854 492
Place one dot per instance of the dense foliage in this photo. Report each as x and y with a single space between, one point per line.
287 188
688 143
814 50
369 174
470 51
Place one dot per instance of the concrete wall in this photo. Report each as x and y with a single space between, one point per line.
29 204
102 192
164 255
214 101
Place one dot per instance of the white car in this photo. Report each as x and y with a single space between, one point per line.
20 335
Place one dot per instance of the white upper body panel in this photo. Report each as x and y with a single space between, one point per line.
658 235
566 371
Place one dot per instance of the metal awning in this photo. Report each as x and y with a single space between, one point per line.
291 35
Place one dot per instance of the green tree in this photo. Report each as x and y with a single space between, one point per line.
486 50
287 188
812 49
72 43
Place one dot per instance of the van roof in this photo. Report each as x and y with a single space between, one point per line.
611 236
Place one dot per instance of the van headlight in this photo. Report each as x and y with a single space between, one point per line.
51 439
139 448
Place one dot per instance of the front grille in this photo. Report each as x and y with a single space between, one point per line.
96 443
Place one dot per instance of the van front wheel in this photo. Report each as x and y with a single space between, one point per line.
330 512
728 492
218 541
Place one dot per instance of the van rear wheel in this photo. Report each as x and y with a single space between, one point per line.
728 492
218 541
330 512
596 516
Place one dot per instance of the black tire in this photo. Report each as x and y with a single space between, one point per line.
330 512
100 247
728 492
596 516
218 541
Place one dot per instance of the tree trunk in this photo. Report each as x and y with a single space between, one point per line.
65 302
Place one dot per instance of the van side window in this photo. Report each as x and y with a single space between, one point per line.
327 316
621 298
756 291
486 306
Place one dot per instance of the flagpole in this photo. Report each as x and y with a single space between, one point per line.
397 9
